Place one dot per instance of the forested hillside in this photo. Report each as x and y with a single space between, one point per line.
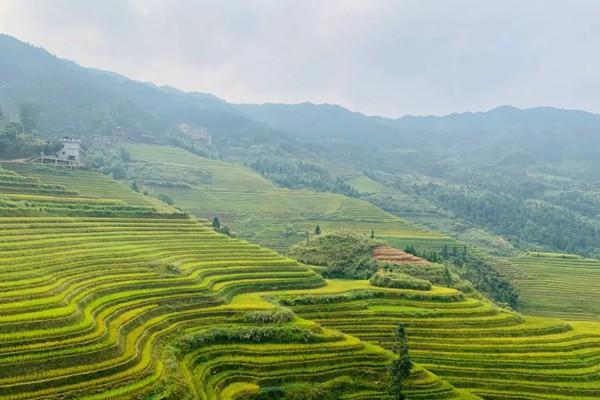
503 179
507 173
67 99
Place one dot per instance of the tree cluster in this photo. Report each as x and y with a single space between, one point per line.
298 174
218 227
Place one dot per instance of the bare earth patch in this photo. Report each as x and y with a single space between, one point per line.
385 253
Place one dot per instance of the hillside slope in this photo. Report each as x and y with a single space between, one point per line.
530 170
69 99
279 217
147 306
258 210
559 285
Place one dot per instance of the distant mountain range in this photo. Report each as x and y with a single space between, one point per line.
78 101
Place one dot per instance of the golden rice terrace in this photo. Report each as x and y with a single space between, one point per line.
112 295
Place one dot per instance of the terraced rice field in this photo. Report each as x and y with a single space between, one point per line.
272 216
98 308
390 254
84 301
422 384
155 305
468 342
561 285
42 192
88 184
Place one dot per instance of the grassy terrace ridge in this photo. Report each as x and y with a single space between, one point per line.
261 212
153 307
88 184
137 307
470 343
560 285
38 190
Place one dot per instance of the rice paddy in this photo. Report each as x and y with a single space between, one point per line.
560 285
263 213
468 342
139 302
100 307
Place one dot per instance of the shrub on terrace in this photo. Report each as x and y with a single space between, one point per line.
399 280
277 334
278 316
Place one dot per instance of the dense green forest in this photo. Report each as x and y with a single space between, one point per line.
528 211
19 139
297 174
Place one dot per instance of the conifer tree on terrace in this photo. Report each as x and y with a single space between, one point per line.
401 366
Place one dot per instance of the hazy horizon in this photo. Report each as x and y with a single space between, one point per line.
388 58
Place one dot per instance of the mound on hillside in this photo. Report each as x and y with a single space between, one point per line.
343 254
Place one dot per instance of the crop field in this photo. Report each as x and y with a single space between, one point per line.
29 190
263 213
468 342
85 183
366 185
560 285
140 307
143 303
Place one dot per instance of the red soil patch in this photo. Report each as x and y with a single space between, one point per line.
385 253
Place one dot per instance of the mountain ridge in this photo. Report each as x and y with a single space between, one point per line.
156 109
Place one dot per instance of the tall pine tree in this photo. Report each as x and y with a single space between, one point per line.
401 366
216 224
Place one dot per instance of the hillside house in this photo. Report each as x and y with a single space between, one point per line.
69 155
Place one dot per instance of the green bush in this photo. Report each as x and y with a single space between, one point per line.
278 334
278 316
329 390
292 301
399 280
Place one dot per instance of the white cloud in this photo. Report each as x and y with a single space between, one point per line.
384 57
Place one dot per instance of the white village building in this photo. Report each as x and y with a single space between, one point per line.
69 155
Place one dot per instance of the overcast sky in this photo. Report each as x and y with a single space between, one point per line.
383 57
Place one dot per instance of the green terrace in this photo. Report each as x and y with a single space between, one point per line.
87 302
109 307
259 211
142 302
561 285
467 341
36 190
